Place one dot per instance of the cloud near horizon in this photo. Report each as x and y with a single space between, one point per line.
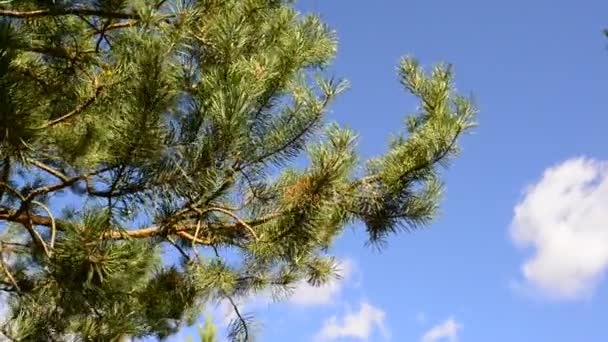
563 219
446 331
354 324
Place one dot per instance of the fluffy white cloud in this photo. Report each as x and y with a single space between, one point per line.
446 331
306 295
355 325
564 219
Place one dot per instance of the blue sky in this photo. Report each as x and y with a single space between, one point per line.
521 248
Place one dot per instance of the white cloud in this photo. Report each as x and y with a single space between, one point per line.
304 295
307 295
564 219
446 331
355 325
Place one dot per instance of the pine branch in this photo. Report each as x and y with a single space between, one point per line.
251 68
64 184
233 215
67 11
57 52
419 167
49 170
25 218
75 112
198 229
193 204
291 141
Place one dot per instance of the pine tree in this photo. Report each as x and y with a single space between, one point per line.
132 131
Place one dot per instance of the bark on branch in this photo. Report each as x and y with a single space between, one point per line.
67 11
27 218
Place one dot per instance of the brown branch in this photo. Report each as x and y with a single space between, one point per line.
75 112
125 24
134 234
36 235
67 11
53 225
189 237
239 316
57 52
29 220
49 170
193 204
179 249
198 229
40 220
131 23
126 190
63 184
8 274
234 216
12 246
12 190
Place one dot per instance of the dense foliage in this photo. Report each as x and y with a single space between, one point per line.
133 128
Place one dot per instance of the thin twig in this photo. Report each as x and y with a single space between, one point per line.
188 236
14 244
12 190
53 225
160 3
75 112
181 250
232 303
48 169
240 317
125 24
64 184
7 272
36 235
237 218
231 214
198 228
102 35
